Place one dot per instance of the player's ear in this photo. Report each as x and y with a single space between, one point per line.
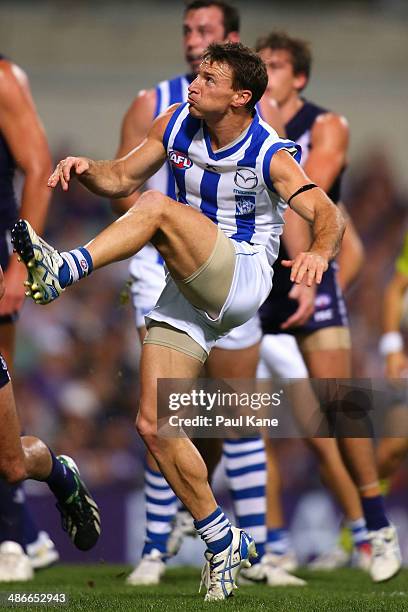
233 37
300 81
241 98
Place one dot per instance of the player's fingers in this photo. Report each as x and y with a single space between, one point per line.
293 321
81 166
54 178
287 263
66 168
301 272
296 263
321 269
311 275
64 183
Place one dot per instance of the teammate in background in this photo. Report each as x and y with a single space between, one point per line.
235 356
392 451
324 340
28 457
23 145
219 263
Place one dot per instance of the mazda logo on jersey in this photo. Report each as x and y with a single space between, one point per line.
245 178
179 160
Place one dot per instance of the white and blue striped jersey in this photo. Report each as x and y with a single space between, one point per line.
231 186
168 92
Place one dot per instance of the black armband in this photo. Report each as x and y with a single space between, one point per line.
301 190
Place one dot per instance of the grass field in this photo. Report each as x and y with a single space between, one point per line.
101 587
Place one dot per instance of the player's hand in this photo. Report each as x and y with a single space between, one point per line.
305 297
13 288
64 169
308 267
396 365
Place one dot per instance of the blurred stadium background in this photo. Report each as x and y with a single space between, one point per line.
76 372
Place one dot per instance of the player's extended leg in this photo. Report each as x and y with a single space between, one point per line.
184 237
326 361
185 470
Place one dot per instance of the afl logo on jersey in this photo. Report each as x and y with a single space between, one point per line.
245 178
323 300
179 160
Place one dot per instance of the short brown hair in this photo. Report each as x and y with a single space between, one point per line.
248 70
298 49
230 14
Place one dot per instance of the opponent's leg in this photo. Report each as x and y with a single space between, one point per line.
16 521
324 361
28 457
391 452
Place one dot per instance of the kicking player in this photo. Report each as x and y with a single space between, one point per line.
392 451
23 145
219 261
324 340
235 356
28 457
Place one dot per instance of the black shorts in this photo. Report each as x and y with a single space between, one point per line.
4 373
330 308
6 249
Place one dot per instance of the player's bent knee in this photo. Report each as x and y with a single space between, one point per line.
13 473
146 427
155 200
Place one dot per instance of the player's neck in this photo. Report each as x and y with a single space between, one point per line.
224 130
290 107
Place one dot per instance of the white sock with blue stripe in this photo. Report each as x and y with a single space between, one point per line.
359 532
278 541
77 264
215 530
161 507
245 466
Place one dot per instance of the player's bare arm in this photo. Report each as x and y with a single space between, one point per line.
317 209
296 232
328 154
330 140
138 118
25 137
118 177
326 158
351 256
391 344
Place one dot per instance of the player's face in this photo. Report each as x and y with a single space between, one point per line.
282 82
211 92
201 27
